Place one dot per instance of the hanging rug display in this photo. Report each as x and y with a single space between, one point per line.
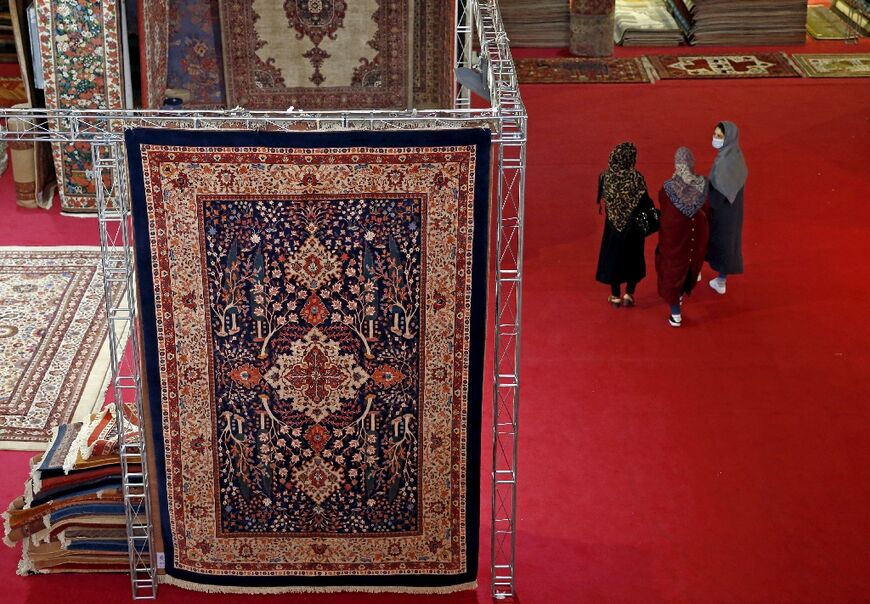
333 54
313 318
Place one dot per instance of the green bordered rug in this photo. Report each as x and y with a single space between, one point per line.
833 66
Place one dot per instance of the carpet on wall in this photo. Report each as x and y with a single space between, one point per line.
760 65
80 44
154 51
337 55
321 55
53 341
833 65
433 41
577 70
195 53
314 363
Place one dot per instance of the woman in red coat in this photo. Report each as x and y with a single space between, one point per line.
684 233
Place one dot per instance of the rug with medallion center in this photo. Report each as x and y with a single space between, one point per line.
52 341
313 310
333 54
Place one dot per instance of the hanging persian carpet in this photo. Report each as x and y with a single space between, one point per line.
313 310
332 54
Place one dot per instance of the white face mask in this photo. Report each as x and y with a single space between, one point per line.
718 143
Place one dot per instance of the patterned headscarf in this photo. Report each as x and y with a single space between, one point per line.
686 190
729 168
623 186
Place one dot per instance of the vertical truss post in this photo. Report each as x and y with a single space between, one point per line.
463 49
118 270
509 271
510 200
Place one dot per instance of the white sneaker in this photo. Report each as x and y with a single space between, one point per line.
718 285
675 320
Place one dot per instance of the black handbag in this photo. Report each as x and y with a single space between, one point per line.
647 221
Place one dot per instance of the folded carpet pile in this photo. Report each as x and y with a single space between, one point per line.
71 516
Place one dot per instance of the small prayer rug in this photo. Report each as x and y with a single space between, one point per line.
313 316
580 70
52 341
834 66
760 65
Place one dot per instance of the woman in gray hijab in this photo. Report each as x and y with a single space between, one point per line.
727 181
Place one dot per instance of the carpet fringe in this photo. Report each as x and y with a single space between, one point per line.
234 589
28 492
94 394
42 535
80 445
25 566
81 214
650 70
7 528
788 58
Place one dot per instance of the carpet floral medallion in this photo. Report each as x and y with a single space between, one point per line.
316 54
52 341
313 314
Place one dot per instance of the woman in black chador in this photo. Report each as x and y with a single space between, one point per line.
624 192
727 181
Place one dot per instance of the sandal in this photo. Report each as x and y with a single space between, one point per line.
627 300
614 300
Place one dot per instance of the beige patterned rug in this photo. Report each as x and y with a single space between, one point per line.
333 54
856 65
52 341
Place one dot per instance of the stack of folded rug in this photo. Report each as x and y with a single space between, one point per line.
824 24
682 15
856 13
536 22
645 23
71 517
745 22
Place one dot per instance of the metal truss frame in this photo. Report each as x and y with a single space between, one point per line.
478 28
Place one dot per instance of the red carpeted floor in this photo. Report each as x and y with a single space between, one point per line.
726 461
